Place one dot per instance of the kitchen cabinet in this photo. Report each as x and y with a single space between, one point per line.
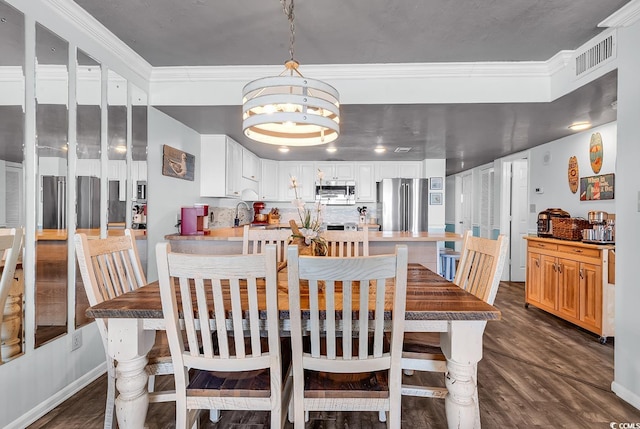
404 169
337 170
269 180
305 173
220 167
365 182
250 165
567 279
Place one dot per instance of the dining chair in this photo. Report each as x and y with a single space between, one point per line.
255 240
227 304
479 270
347 243
10 246
344 363
109 268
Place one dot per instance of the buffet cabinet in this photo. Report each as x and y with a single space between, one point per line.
571 280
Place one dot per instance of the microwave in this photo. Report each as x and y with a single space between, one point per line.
336 192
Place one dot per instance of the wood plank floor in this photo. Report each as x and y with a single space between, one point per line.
537 372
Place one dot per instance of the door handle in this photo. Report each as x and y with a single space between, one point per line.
581 273
537 263
560 268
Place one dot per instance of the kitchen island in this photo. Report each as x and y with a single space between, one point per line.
423 246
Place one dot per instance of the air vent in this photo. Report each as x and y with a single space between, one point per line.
595 55
402 149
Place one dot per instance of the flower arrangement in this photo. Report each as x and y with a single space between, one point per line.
310 220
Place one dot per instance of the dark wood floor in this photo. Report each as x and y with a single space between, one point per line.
537 372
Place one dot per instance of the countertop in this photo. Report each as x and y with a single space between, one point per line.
235 234
569 242
61 234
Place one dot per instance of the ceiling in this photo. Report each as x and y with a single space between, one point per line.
256 32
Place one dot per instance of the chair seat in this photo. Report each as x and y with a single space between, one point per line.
352 385
255 383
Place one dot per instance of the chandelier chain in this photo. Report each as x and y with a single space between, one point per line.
288 11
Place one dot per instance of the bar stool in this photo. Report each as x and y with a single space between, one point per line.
448 262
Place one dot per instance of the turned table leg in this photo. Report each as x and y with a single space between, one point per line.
129 344
462 346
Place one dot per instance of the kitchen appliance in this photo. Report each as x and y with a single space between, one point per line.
139 216
258 217
545 220
88 198
402 204
193 220
347 226
603 230
54 202
336 192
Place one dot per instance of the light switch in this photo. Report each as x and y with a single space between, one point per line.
540 190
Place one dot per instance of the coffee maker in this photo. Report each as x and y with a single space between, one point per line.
194 220
602 230
545 221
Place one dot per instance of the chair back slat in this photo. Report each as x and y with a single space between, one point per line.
481 263
10 246
347 244
365 281
256 240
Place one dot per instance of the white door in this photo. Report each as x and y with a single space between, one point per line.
486 202
466 203
519 219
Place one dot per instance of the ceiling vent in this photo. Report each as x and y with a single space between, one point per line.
599 51
402 149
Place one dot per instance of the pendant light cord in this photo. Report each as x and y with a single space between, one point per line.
288 11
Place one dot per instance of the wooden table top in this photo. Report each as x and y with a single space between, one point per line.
429 297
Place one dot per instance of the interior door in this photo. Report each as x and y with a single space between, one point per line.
466 203
519 219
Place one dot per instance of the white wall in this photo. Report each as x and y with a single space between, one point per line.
436 168
552 176
165 195
627 345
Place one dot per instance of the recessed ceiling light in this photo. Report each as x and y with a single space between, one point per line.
579 126
402 149
283 149
331 149
380 149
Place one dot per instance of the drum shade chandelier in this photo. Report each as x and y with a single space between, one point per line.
290 109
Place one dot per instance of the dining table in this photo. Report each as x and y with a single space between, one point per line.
433 304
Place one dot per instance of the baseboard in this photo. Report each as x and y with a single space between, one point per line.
626 395
57 399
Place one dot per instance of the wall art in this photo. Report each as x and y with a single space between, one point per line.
595 188
596 152
573 174
176 163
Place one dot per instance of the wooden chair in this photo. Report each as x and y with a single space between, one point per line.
110 267
255 240
348 365
216 368
479 270
347 243
10 245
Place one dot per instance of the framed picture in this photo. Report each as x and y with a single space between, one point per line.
178 164
435 198
435 183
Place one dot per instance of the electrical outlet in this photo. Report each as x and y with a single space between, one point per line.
76 340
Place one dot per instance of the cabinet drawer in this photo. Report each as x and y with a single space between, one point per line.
542 245
574 250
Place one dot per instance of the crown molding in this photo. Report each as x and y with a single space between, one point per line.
93 29
623 17
365 71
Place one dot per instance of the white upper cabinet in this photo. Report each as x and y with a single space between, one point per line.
305 173
403 169
337 170
220 167
269 180
365 182
250 165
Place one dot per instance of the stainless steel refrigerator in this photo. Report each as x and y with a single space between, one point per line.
54 199
402 204
88 202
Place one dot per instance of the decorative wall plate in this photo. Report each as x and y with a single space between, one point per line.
573 174
595 152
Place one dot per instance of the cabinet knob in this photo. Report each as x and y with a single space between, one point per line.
578 250
581 273
537 262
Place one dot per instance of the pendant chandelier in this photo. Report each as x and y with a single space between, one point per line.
290 109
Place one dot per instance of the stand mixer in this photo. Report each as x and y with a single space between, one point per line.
259 218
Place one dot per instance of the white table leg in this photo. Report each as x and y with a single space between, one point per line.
129 345
462 346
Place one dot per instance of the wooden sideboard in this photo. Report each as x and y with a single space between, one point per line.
572 281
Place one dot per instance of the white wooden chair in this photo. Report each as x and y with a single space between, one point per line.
479 270
216 368
348 366
110 267
254 241
10 246
347 243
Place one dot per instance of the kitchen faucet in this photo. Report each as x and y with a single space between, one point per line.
236 221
